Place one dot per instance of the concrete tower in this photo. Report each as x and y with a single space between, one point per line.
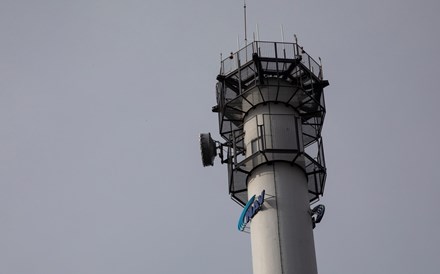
271 109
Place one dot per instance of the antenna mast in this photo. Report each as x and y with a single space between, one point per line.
245 24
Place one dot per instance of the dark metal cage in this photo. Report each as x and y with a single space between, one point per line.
271 72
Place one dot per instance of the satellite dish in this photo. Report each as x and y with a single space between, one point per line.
319 211
208 149
317 214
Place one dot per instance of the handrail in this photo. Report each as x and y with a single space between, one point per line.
266 49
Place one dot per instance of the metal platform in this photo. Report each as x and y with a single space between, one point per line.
280 73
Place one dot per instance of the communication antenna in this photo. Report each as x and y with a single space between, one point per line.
238 43
282 40
321 74
282 33
245 24
208 149
258 32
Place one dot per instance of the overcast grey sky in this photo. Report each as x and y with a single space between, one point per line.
101 104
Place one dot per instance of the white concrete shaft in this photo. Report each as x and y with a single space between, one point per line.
281 233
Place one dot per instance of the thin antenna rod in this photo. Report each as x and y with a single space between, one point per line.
282 33
245 24
282 40
222 66
238 42
258 32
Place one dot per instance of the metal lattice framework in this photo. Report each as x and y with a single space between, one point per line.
271 72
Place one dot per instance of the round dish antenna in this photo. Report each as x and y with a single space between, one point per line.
208 149
317 214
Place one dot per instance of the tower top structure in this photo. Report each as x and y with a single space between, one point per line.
281 73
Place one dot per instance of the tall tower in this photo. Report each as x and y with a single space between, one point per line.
270 106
